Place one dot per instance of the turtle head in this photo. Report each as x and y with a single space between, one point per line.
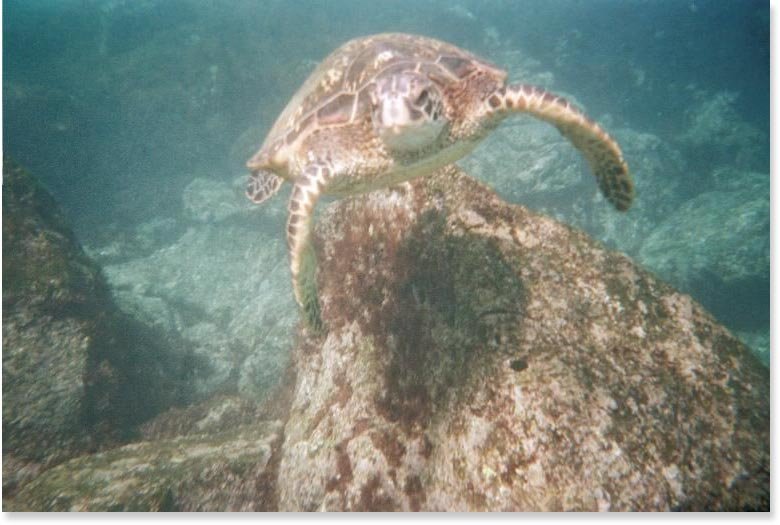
408 111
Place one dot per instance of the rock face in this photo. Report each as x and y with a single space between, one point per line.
77 375
223 471
218 455
701 219
481 357
716 135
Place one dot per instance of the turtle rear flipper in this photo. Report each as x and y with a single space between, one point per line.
599 149
262 186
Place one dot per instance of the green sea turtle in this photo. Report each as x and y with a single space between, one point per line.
387 108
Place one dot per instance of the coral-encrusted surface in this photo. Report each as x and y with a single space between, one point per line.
481 357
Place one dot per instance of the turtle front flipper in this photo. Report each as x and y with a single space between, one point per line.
303 260
262 186
599 149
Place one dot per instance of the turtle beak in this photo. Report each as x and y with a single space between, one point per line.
259 160
265 158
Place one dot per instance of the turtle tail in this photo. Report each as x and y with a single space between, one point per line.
599 149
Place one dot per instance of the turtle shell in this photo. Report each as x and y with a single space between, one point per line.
338 92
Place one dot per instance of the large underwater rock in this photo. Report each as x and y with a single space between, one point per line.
479 357
77 375
219 471
675 226
482 357
220 454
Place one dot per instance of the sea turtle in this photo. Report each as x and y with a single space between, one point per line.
387 108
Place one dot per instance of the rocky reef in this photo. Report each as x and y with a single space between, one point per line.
222 286
478 357
218 471
482 357
701 219
78 375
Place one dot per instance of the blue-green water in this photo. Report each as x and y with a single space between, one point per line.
117 106
139 116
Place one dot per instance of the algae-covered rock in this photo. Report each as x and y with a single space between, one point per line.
224 471
478 357
482 357
211 416
52 300
77 375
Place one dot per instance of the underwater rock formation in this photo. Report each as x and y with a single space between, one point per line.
716 247
479 357
221 454
482 357
685 192
77 375
200 472
717 135
222 286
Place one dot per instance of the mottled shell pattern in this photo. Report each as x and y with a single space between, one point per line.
338 135
339 91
